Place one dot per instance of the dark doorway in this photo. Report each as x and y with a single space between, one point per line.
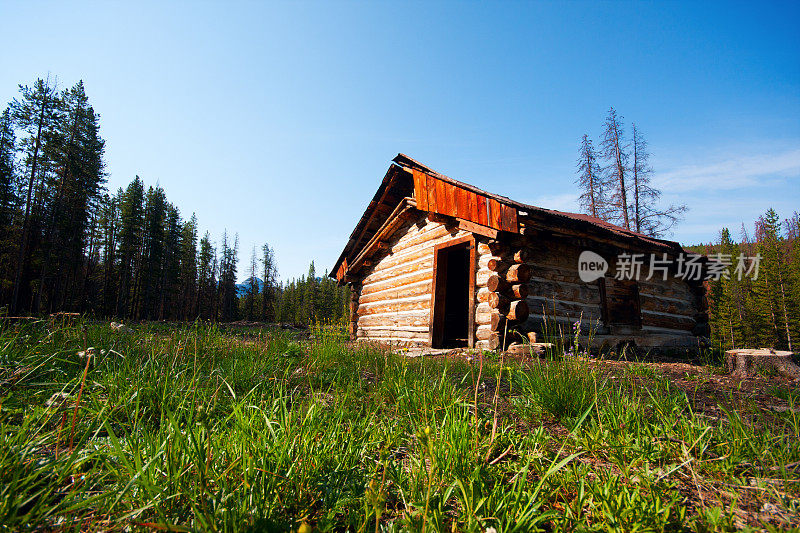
453 285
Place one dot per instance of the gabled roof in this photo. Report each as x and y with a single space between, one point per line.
409 184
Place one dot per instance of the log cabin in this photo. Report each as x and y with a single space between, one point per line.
439 263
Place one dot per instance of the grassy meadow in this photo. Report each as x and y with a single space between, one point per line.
197 428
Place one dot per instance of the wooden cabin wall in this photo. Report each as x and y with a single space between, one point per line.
483 312
669 308
394 303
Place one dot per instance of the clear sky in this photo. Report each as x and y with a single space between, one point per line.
278 120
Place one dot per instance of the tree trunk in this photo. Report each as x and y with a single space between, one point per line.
746 363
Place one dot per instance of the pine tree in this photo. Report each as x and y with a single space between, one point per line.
725 300
149 272
109 224
8 200
792 257
36 113
8 151
169 283
252 288
309 309
130 242
268 289
772 290
227 279
76 150
206 278
188 269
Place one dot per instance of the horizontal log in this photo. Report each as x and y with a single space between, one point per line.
403 291
576 233
483 318
484 307
497 248
497 265
424 263
671 306
518 311
441 219
498 301
471 227
413 253
392 333
518 273
664 321
483 260
519 291
412 235
492 338
419 319
521 256
482 277
496 283
483 332
396 282
483 294
589 293
411 304
497 321
483 249
560 308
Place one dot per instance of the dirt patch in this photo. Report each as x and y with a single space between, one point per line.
707 388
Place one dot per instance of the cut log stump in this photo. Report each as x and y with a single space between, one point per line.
537 348
745 363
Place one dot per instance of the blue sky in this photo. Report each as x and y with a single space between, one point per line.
278 120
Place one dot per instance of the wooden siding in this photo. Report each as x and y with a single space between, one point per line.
438 196
394 304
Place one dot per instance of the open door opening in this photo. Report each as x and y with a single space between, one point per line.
453 299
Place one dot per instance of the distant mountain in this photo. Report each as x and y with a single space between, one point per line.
243 287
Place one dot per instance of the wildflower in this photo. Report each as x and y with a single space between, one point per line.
88 353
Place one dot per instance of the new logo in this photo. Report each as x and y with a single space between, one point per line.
591 266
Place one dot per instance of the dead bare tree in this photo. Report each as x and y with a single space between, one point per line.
615 153
591 181
647 215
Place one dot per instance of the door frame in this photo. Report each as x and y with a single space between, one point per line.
438 293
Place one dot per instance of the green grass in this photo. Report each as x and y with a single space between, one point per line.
199 428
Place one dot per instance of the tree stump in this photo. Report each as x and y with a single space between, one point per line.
745 363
